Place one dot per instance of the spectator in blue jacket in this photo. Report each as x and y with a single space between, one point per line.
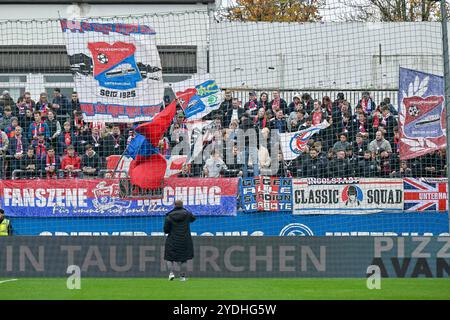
37 127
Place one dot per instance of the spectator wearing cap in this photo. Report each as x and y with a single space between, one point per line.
295 105
66 138
5 100
43 105
278 103
263 101
10 130
251 106
90 162
5 121
38 126
71 163
60 103
342 144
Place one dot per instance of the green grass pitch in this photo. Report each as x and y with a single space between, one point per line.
223 289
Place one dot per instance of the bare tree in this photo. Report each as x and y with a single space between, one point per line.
391 10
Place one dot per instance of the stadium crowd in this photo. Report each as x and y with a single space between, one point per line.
48 138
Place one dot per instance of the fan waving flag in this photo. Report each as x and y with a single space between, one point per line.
149 166
116 69
294 144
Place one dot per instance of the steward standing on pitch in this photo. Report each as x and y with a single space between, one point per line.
179 247
5 225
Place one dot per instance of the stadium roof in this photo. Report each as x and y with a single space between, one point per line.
106 1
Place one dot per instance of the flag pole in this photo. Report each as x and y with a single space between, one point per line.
446 95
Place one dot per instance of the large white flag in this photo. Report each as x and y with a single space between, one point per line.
116 68
294 143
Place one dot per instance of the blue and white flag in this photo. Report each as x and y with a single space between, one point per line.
204 96
116 70
294 144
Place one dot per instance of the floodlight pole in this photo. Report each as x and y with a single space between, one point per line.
447 96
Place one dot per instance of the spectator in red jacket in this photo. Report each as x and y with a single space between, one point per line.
71 163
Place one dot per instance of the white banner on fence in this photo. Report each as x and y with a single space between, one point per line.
117 70
351 195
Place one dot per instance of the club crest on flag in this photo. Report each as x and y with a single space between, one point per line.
200 96
115 65
299 141
423 117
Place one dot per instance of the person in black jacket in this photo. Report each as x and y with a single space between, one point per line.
90 162
114 143
235 113
367 167
178 247
313 166
340 167
28 165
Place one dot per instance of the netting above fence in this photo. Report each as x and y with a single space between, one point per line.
120 107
